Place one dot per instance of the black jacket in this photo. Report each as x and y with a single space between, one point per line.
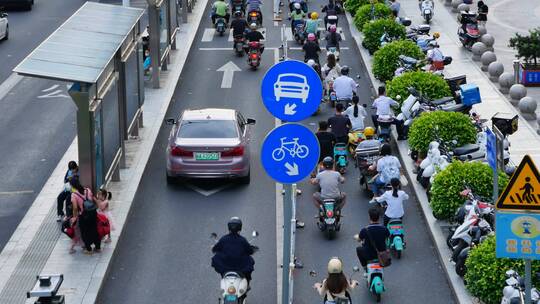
233 253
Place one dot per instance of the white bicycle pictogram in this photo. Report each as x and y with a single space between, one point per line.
293 147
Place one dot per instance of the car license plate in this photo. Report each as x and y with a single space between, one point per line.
206 156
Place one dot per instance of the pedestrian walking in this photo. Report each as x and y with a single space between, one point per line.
85 213
102 198
64 198
482 13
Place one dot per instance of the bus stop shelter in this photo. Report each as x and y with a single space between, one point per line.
97 49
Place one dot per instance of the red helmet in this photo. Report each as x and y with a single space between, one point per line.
333 28
311 37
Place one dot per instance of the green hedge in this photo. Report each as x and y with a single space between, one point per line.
449 125
447 184
385 60
486 274
374 30
353 5
363 14
429 85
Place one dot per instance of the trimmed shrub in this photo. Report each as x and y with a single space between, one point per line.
486 273
385 60
429 85
447 184
353 5
374 30
445 125
363 14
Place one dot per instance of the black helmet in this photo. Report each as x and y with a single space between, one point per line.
328 162
235 224
386 150
344 70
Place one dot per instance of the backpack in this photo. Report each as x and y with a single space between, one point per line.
331 10
338 300
87 205
103 225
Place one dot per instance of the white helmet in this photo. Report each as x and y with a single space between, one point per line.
297 5
335 266
311 62
253 26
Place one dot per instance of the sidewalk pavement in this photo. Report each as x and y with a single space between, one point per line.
504 20
38 247
524 141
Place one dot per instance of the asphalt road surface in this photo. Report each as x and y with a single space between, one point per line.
164 254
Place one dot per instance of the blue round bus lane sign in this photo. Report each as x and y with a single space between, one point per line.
291 90
289 153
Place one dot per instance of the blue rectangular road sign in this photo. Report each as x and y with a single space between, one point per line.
491 149
518 235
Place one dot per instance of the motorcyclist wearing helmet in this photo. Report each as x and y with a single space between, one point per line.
297 16
336 285
233 252
312 24
253 35
220 9
333 38
435 57
370 141
331 9
329 181
311 49
239 25
388 167
255 6
345 86
302 3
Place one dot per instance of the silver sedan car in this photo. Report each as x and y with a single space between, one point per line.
209 143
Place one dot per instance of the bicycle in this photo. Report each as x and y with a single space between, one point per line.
292 147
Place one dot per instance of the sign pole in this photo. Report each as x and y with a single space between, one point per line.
528 281
287 217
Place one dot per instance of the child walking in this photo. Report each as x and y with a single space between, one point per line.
102 198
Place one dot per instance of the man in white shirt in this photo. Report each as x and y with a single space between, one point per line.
345 86
435 57
383 105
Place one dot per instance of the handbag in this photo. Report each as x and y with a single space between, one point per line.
67 228
384 257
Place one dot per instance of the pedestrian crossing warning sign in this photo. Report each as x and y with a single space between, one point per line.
523 190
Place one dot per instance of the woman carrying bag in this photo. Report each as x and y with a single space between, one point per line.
85 213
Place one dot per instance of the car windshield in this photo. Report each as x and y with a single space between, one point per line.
291 79
208 129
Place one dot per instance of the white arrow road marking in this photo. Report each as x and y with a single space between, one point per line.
290 109
51 88
292 169
207 192
228 70
53 92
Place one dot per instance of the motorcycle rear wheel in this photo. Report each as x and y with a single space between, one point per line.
330 234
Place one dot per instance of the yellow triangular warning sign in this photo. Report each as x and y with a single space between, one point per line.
523 190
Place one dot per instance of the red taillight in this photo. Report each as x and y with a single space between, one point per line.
237 151
253 14
329 213
254 56
177 151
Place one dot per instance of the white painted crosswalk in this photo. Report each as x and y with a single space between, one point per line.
210 34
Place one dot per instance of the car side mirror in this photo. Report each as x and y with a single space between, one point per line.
251 121
170 121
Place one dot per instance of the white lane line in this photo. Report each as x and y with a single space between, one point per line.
51 88
16 192
288 33
279 218
208 35
9 84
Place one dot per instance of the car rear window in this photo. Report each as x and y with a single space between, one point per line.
208 129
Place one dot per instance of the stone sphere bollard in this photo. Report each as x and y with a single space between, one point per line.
478 48
487 58
495 69
506 80
488 40
463 7
482 30
516 92
455 4
527 106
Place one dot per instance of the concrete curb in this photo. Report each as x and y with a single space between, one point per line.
461 295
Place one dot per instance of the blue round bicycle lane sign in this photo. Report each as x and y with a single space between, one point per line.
289 153
291 90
